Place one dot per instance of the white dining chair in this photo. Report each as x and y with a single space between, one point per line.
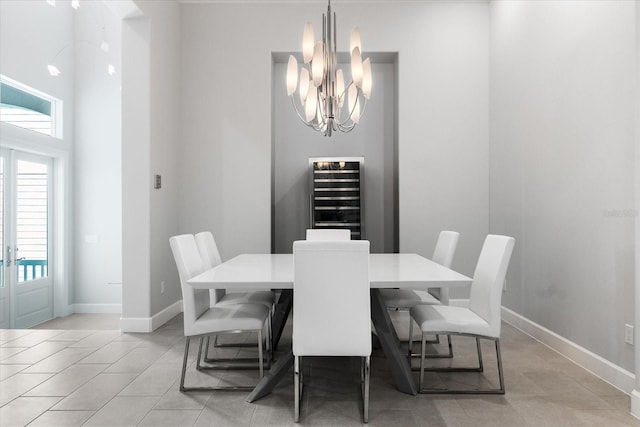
328 234
201 320
404 299
345 329
211 257
220 297
481 319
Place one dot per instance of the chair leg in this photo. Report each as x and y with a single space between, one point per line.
260 360
422 352
184 363
480 364
296 389
199 367
269 339
223 363
366 362
410 340
500 390
500 372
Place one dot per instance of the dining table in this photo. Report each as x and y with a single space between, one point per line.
386 270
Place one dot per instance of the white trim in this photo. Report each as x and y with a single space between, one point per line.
613 374
600 367
135 324
163 316
149 324
95 308
635 404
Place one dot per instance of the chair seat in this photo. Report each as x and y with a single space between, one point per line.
407 298
230 318
266 298
445 318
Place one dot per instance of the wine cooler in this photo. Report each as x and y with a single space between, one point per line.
336 194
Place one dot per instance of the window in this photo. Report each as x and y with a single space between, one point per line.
28 108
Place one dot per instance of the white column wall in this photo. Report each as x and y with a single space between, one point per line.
97 160
136 176
442 115
165 147
562 166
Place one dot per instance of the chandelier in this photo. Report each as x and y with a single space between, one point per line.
320 84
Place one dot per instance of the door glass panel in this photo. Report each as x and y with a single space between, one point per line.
32 220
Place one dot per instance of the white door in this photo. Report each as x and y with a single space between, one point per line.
26 291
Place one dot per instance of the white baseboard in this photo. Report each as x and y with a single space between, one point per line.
135 324
95 308
635 403
149 324
613 374
165 315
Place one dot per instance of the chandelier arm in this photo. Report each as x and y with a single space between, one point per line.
302 119
364 106
359 92
346 128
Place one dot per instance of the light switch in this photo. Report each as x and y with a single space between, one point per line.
157 182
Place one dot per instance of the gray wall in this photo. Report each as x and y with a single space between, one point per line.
373 138
442 115
562 165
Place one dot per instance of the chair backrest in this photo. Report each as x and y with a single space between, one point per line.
331 298
488 279
210 258
208 249
443 255
189 263
445 248
328 234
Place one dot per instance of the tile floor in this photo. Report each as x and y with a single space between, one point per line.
80 370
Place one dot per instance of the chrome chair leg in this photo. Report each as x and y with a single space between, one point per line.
184 363
500 372
365 395
480 368
410 340
480 365
260 360
296 389
224 363
422 353
200 367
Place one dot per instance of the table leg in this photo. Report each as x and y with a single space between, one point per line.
398 364
283 308
396 359
272 378
285 361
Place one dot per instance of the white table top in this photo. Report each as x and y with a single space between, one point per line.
275 271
